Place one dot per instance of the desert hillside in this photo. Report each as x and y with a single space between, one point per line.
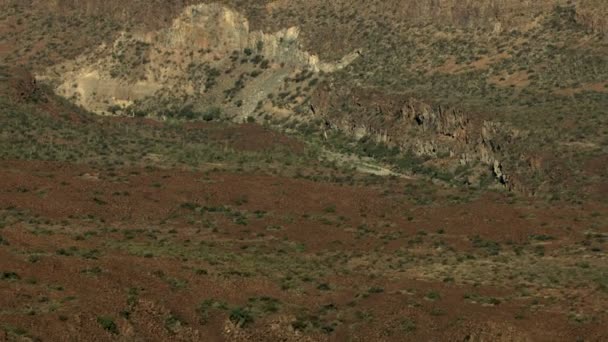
303 170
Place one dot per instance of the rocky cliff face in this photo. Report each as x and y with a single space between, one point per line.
446 136
197 53
400 58
223 30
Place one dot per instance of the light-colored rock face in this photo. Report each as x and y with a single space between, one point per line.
223 30
204 27
91 89
139 66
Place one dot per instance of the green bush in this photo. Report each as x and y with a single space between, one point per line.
241 317
212 113
108 324
9 276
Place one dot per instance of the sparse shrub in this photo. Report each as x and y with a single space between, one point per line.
9 276
207 306
108 324
241 317
212 113
330 209
433 295
375 290
407 325
323 287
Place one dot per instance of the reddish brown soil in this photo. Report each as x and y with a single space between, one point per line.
392 260
251 137
54 300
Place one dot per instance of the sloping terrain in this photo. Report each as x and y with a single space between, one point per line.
132 229
207 55
532 99
515 91
303 170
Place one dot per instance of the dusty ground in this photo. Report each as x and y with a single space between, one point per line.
136 230
172 254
